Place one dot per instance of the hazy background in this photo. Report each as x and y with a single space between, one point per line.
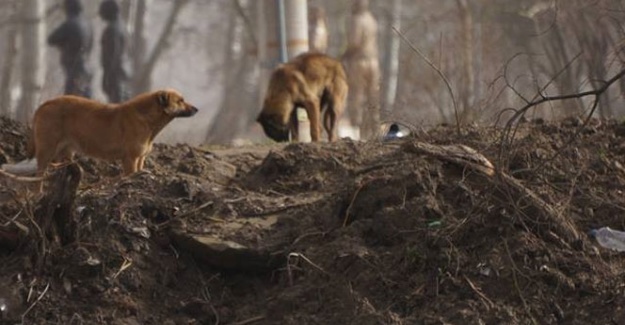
495 54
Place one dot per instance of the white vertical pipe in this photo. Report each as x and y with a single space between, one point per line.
297 43
297 27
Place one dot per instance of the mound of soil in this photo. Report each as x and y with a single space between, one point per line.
341 233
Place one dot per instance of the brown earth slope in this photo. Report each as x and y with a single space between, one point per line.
343 233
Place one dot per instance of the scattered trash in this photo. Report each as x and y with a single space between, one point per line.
484 269
92 261
24 167
141 231
610 238
3 306
8 307
393 133
67 286
436 223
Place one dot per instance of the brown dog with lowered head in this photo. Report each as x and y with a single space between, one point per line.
313 81
70 124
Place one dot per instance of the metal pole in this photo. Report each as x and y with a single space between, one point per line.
282 30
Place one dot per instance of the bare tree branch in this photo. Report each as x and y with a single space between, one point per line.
544 99
247 23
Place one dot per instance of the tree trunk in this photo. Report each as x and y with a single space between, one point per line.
594 35
554 45
296 27
54 213
467 81
126 10
238 109
218 131
143 76
296 30
139 42
8 63
391 61
33 64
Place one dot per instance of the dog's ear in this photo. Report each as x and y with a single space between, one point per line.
162 97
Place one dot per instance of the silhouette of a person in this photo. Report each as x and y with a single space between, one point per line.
317 30
115 77
74 38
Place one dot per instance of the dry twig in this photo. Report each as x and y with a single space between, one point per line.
250 320
516 284
487 302
192 211
125 265
351 203
288 265
21 178
35 302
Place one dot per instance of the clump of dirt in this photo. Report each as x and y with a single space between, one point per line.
341 233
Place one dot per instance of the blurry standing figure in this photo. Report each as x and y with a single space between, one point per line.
74 38
363 70
317 30
115 77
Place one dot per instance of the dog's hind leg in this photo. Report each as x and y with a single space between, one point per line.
44 157
63 155
336 106
329 123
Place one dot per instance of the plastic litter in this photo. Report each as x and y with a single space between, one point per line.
435 223
4 308
24 167
393 132
610 238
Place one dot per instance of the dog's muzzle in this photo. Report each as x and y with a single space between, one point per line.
188 112
277 133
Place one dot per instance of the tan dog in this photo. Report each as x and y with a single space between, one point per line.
69 124
313 81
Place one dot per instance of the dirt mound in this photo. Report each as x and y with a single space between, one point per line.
343 233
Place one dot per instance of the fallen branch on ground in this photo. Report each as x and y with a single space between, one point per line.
513 188
20 178
457 154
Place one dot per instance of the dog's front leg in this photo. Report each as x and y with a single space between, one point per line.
140 163
130 164
312 110
294 125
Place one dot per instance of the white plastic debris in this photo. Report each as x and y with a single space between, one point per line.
610 238
24 167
